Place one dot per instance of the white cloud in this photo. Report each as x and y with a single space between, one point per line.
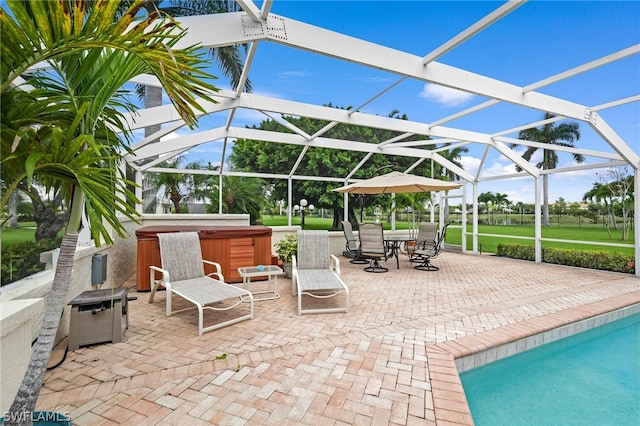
290 74
470 164
569 185
499 169
377 79
248 116
444 95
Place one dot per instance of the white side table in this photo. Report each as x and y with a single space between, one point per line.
269 271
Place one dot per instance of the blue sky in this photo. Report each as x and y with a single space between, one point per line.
535 41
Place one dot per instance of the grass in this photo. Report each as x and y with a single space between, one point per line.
316 222
489 244
26 231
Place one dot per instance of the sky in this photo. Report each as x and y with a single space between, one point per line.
536 41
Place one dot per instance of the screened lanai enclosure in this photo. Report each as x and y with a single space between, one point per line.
402 61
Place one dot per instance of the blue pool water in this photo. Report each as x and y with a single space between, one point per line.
591 378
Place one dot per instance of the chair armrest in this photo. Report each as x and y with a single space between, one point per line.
165 281
164 272
335 264
423 245
294 269
218 270
294 276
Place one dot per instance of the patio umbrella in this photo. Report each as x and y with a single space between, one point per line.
397 183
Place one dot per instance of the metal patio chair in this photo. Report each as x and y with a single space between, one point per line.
430 250
372 246
352 247
427 235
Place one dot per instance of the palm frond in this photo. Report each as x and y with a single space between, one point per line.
36 32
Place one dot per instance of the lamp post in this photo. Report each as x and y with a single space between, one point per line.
302 209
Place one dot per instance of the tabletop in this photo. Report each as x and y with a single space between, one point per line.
256 271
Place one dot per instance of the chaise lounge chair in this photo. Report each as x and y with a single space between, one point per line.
183 274
316 272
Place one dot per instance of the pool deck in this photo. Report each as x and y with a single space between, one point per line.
389 360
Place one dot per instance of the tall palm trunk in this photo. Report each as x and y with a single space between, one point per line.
611 217
25 401
152 98
13 210
546 164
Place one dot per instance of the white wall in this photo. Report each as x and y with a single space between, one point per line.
16 319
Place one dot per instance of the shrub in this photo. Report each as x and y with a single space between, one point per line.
516 251
287 247
23 259
607 261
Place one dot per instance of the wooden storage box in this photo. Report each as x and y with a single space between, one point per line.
231 246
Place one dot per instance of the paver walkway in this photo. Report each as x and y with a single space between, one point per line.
389 360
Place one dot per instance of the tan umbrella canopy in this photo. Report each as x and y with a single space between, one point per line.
397 183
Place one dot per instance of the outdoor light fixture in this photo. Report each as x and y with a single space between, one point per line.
302 209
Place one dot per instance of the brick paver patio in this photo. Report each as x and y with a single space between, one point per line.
389 360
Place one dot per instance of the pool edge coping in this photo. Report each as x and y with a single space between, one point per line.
449 399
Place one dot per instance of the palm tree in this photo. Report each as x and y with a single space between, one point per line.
49 215
563 134
242 195
229 58
417 201
181 187
65 131
453 155
602 193
176 186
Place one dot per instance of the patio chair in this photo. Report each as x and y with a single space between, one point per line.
372 246
316 272
430 250
427 235
352 248
183 274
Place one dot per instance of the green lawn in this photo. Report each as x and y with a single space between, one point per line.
25 232
488 244
454 235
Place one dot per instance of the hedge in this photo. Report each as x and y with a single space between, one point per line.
607 261
23 259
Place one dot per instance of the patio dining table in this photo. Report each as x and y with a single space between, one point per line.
394 244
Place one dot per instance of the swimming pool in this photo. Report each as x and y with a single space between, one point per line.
590 378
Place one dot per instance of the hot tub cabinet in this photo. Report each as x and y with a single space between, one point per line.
232 247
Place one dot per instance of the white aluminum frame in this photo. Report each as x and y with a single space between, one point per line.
255 26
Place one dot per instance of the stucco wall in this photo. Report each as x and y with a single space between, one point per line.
16 318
